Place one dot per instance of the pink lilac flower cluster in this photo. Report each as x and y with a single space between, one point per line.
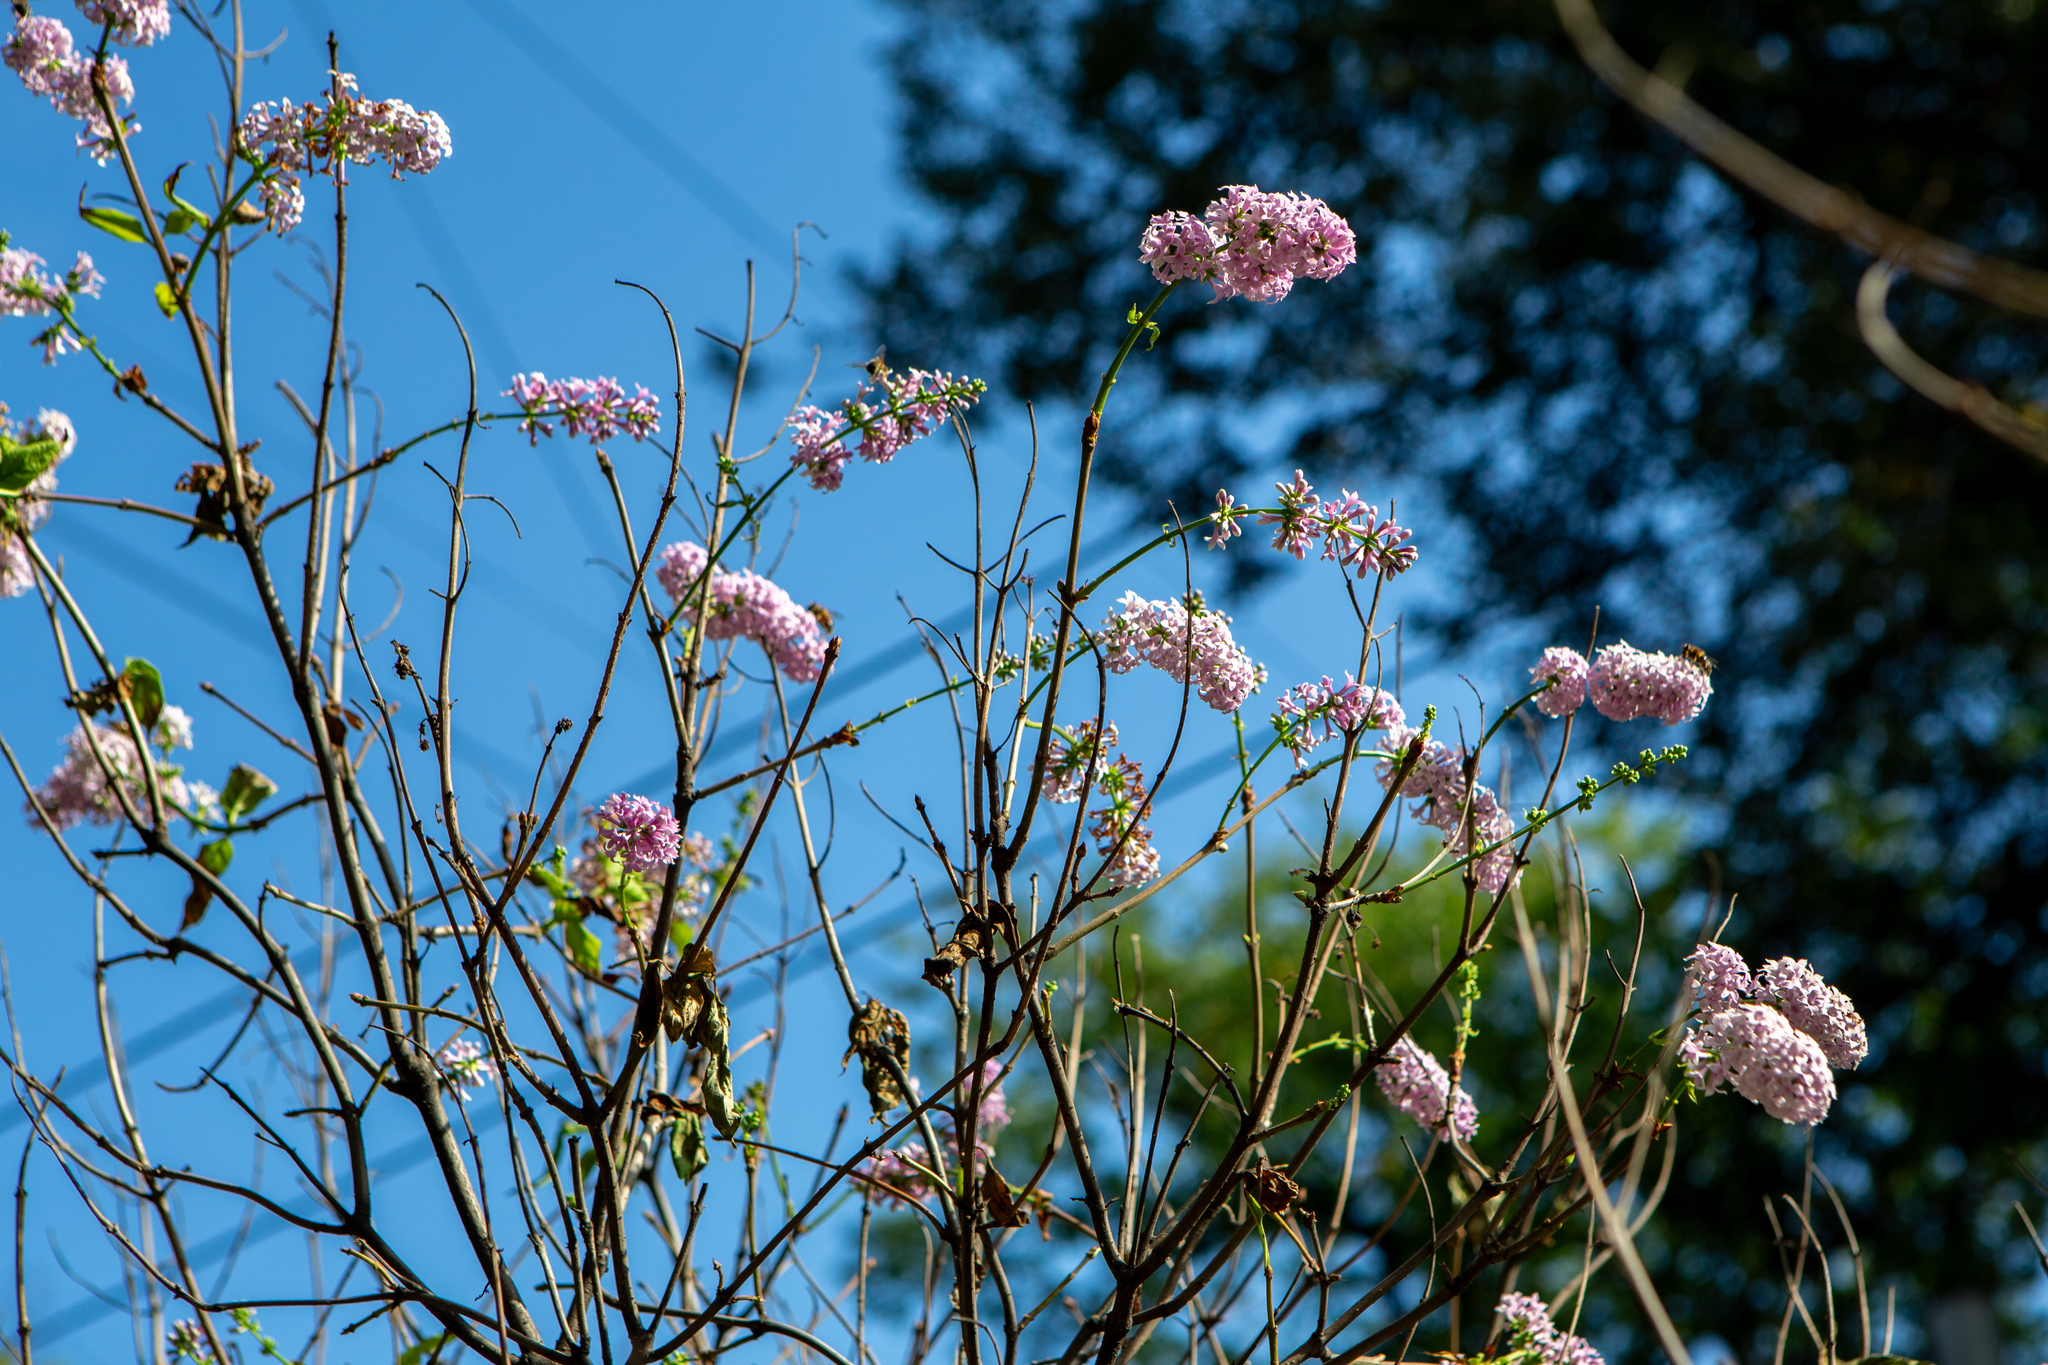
1818 1010
1250 244
637 832
41 51
1309 713
1069 755
1351 529
1182 643
1529 1329
1625 683
290 139
903 1169
905 406
1119 831
1417 1085
742 605
597 408
20 515
1772 1036
77 791
1568 692
26 290
1438 785
464 1067
131 23
632 905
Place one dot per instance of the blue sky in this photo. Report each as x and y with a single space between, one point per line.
666 145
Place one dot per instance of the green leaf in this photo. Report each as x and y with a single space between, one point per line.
166 299
126 226
216 856
22 463
145 690
246 790
414 1355
552 878
186 214
686 1147
586 950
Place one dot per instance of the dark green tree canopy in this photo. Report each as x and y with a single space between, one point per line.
1633 388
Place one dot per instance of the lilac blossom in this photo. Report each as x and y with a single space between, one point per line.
1069 755
1250 243
1627 683
901 1173
1529 1328
182 1341
1718 976
43 54
1756 1050
1352 531
1309 713
133 23
1566 671
888 410
1417 1085
596 408
1186 645
1444 799
290 140
1223 523
1815 1008
1119 831
1178 246
78 792
638 832
993 1114
26 290
743 605
464 1067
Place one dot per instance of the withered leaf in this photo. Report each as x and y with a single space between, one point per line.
210 482
196 902
1275 1190
875 1035
688 988
995 1197
969 936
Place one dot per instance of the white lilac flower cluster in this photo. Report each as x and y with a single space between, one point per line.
288 140
464 1067
742 605
1250 244
1530 1333
1443 798
1120 833
1069 755
596 408
1624 683
900 1174
27 291
77 790
1417 1085
889 410
1772 1036
1309 713
1183 644
22 514
1351 529
42 52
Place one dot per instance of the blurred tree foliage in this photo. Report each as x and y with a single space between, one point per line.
1633 388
